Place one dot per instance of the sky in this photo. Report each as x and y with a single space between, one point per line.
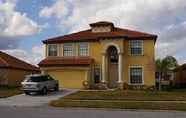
25 23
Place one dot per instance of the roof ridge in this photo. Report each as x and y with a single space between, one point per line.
134 31
12 59
67 34
87 35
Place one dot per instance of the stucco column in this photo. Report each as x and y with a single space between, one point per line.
103 67
120 70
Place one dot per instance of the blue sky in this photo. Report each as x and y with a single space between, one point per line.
31 8
25 23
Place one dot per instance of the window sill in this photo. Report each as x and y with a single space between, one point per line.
140 55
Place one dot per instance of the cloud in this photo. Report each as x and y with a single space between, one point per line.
166 18
14 25
57 9
33 57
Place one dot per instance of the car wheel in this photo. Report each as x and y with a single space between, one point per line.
27 93
56 88
44 91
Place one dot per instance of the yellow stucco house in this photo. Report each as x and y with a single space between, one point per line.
102 55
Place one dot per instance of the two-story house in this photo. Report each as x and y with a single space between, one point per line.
102 54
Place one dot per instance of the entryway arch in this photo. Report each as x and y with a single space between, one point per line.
111 53
112 67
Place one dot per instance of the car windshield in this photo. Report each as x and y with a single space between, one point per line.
36 79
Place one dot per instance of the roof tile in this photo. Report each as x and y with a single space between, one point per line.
63 61
88 35
7 61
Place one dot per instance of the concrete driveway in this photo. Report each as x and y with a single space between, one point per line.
34 100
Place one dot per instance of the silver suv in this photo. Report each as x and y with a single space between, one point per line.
39 83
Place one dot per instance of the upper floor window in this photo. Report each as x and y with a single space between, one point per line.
136 47
136 75
67 49
83 49
52 50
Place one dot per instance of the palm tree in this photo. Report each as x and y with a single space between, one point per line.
165 65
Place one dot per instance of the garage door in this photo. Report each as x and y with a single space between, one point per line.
69 79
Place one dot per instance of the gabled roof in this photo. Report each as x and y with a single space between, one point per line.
88 35
64 61
7 61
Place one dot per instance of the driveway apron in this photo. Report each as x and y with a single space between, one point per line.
34 100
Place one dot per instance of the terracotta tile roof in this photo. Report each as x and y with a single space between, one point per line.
64 61
88 35
7 61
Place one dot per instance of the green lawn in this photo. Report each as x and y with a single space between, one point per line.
120 105
124 100
128 95
9 91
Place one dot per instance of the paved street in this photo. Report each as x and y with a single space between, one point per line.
49 112
22 106
34 100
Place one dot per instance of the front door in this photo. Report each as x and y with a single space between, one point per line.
112 67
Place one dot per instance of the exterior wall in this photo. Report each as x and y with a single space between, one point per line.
180 78
3 76
146 60
96 50
13 77
69 77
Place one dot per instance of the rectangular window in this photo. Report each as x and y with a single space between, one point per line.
136 47
52 50
68 49
136 76
83 49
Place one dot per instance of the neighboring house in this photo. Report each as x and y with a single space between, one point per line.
166 80
13 70
103 54
180 76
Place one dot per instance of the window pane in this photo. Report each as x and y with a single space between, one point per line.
52 50
136 75
68 50
83 49
136 47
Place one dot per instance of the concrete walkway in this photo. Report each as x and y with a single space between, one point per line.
34 100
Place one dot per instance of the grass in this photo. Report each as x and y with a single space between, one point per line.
124 100
9 91
120 105
128 95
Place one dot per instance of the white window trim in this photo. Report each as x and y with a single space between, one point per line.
79 49
136 66
129 50
48 50
73 50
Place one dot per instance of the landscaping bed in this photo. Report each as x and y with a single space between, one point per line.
9 91
124 100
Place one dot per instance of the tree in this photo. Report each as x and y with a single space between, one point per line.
165 65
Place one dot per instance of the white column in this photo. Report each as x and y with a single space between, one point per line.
120 68
103 67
